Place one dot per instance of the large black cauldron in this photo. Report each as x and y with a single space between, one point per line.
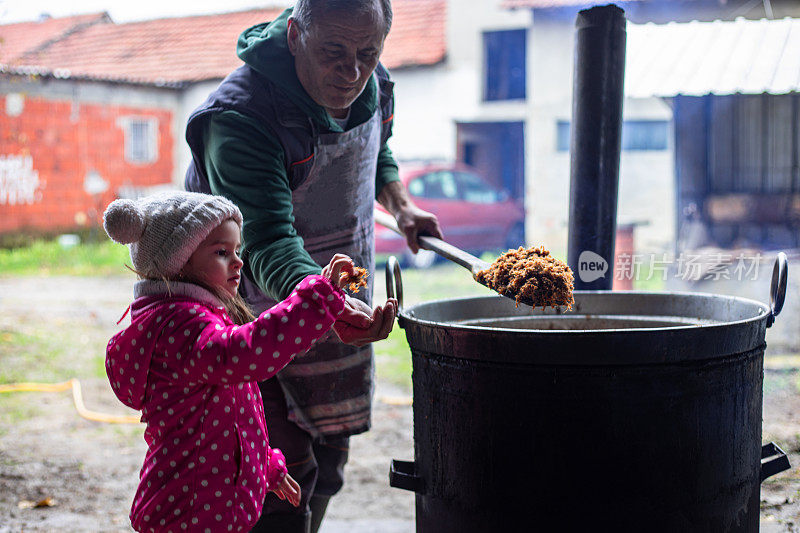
632 412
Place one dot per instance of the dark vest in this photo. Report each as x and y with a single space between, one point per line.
248 92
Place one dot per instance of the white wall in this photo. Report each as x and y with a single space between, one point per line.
646 189
430 100
425 104
546 169
191 98
647 182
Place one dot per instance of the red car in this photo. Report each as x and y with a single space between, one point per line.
474 215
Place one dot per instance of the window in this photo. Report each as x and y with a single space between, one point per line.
468 151
141 139
562 136
637 135
504 65
416 187
644 135
472 189
436 185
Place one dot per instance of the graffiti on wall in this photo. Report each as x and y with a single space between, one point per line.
19 182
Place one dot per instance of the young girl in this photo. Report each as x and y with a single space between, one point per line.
192 356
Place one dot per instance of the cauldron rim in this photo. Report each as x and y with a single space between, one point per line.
763 313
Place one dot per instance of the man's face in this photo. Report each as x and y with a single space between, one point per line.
335 57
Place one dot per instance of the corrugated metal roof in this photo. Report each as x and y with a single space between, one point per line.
550 4
699 58
173 51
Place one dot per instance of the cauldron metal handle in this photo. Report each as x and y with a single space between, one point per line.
402 475
773 460
777 289
394 281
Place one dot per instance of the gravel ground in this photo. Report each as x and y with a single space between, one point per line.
89 470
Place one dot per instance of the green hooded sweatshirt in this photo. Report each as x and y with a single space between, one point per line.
245 162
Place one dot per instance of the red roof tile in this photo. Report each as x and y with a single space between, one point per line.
21 37
189 49
419 34
161 51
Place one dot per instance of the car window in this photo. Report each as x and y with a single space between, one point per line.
417 187
471 188
436 185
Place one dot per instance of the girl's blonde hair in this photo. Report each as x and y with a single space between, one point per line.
235 306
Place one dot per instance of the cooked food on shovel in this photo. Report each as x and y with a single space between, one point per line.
357 280
531 276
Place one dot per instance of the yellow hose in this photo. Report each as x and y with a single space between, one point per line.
397 401
77 399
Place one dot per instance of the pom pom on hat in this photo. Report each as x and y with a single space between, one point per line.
124 221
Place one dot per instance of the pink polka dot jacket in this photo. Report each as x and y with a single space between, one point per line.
193 373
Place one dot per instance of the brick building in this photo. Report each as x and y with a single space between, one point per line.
62 162
70 144
91 110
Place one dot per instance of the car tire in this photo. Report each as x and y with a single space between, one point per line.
422 259
516 236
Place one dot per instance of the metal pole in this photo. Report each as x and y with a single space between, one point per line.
595 142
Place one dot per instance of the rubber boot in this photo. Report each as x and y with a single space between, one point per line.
318 504
283 523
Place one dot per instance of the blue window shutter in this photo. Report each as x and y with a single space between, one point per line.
504 65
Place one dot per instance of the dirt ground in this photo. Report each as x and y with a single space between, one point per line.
89 470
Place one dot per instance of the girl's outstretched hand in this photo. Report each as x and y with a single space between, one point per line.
340 264
289 490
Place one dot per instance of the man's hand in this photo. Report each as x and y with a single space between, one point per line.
414 221
411 220
360 325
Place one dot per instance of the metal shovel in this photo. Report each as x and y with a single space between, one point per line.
446 250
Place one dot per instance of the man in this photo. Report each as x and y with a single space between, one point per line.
297 139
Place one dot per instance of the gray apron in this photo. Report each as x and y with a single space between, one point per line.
329 389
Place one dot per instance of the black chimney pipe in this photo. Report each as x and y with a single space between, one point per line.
599 72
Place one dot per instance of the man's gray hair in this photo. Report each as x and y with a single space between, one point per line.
305 11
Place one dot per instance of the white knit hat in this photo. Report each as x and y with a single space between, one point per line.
164 230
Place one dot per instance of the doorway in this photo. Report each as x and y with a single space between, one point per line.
495 150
